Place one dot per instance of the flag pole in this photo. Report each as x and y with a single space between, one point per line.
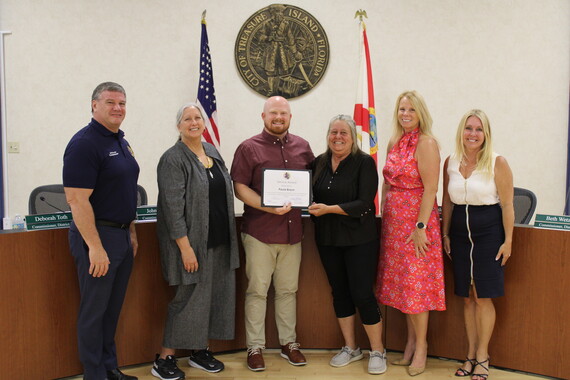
364 108
3 124
206 97
360 14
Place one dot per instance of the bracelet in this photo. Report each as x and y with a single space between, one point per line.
444 236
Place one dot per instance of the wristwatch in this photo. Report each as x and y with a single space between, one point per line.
420 226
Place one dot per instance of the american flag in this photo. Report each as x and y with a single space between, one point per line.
364 110
206 94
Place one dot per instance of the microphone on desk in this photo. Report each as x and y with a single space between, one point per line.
43 199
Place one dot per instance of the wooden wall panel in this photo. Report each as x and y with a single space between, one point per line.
39 298
531 331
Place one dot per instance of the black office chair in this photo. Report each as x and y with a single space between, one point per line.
142 199
525 204
48 199
567 204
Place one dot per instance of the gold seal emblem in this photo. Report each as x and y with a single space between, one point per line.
282 50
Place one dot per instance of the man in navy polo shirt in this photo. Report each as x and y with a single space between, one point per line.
100 177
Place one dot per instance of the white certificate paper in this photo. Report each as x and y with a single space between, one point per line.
281 186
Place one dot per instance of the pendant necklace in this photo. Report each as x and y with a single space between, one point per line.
209 165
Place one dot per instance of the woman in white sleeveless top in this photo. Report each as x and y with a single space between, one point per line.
478 219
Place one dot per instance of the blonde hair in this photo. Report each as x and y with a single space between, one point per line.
422 111
485 155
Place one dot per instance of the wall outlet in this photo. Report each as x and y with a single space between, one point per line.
7 223
13 147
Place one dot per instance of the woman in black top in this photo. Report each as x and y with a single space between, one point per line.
345 183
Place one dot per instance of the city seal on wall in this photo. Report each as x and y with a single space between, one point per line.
282 50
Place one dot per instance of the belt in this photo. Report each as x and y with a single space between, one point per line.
106 223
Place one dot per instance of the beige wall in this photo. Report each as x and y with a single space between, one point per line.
509 57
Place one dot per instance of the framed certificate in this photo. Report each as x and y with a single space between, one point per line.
281 186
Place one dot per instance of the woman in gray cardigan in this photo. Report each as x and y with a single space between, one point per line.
198 247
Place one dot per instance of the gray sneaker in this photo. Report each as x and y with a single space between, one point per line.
377 362
346 356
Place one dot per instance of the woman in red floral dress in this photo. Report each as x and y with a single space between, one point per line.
410 270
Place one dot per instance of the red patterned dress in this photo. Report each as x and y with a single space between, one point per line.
409 284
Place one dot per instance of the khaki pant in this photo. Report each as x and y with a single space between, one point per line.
262 262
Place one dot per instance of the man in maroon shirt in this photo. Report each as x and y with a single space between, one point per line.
271 236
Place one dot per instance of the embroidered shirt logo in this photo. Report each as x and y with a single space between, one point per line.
113 153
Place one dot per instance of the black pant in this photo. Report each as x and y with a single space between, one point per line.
101 299
351 272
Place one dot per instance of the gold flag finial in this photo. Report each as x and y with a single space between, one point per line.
360 13
204 17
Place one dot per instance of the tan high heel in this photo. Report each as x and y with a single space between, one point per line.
402 362
414 371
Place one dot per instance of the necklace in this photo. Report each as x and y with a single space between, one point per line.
208 165
204 159
466 162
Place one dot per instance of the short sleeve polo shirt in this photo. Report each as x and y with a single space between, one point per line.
99 159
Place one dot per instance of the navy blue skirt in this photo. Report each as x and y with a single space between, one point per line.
476 234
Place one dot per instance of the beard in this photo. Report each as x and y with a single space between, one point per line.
277 129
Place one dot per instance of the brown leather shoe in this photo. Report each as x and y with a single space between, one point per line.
291 352
255 360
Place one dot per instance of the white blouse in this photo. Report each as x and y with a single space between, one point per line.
479 189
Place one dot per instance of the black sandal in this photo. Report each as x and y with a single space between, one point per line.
463 372
480 376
